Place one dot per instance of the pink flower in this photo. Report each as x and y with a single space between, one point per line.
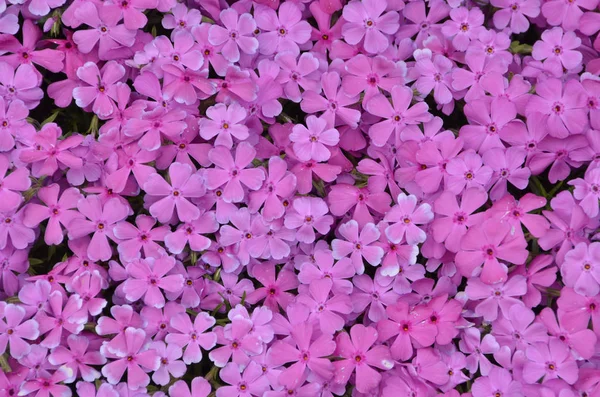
405 217
279 184
487 121
550 361
89 389
236 35
69 317
336 103
452 225
497 296
250 382
48 384
13 263
581 269
132 12
77 358
13 330
224 122
100 221
366 19
105 30
433 73
274 290
498 381
153 125
20 83
281 33
200 388
309 215
358 247
464 26
239 344
558 46
564 105
373 293
519 330
574 334
232 172
484 245
325 310
507 165
297 72
13 124
131 356
567 14
133 240
514 14
372 198
101 88
467 171
397 116
516 213
57 211
192 232
51 151
588 191
477 347
169 197
310 143
147 277
360 355
170 365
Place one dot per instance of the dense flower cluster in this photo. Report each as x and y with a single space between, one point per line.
299 198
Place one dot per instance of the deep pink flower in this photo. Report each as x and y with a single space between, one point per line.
274 290
484 245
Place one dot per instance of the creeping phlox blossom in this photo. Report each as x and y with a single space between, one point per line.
307 198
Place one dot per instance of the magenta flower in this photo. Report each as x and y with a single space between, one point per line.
13 124
397 116
132 356
57 211
517 213
281 32
434 74
148 277
576 335
484 245
519 330
232 172
193 233
366 201
238 343
477 347
309 215
467 171
499 380
169 197
405 217
132 12
360 356
48 384
101 218
61 316
366 19
236 35
14 328
105 30
311 143
153 125
224 122
568 14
